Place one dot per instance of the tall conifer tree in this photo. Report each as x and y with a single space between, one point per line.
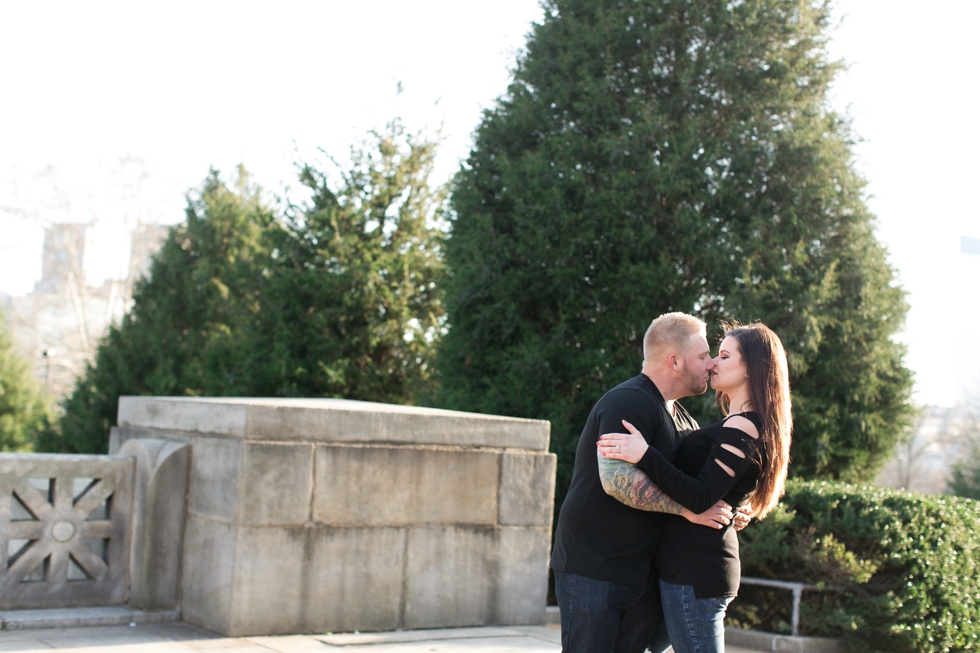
336 297
350 303
662 155
183 335
24 410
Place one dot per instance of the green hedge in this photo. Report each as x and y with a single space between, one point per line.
907 565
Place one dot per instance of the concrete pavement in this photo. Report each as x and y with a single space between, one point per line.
184 638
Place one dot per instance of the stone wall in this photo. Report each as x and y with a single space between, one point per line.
314 515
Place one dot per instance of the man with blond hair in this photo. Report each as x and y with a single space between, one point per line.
603 557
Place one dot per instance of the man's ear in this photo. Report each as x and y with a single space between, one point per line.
675 362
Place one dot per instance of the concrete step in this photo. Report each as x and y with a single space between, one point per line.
752 639
760 641
551 616
76 617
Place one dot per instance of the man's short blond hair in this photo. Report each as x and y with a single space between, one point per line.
671 333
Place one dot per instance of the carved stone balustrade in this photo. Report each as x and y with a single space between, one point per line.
64 530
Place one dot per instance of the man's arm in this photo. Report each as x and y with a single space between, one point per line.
629 485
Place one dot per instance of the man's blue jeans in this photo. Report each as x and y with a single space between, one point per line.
602 617
695 625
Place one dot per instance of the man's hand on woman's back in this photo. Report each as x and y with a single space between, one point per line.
718 516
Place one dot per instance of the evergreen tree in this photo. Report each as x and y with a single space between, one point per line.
24 411
350 306
661 155
183 335
336 298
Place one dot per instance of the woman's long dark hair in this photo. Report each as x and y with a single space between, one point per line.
768 380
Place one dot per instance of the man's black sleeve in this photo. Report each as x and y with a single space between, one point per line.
628 407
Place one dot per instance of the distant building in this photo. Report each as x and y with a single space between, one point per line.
970 245
943 436
146 241
968 368
63 257
59 325
940 438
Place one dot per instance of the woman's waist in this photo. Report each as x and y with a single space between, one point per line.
701 557
681 541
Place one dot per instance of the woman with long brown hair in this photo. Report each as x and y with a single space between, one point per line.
742 460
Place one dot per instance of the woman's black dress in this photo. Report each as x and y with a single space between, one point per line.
690 554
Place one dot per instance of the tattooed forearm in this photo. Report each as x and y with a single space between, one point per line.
629 485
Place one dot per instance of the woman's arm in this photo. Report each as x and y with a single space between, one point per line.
725 465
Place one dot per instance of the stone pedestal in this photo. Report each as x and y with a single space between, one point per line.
314 515
158 521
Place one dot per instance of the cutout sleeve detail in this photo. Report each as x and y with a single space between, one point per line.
698 493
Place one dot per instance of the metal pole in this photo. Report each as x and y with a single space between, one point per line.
47 370
797 596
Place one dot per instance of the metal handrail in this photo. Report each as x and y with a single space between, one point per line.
796 588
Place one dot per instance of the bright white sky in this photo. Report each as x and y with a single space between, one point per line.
109 112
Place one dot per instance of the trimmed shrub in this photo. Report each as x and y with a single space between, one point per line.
900 571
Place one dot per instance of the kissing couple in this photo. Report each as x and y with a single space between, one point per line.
646 548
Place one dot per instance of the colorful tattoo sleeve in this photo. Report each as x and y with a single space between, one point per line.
628 484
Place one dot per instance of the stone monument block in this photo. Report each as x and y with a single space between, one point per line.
518 583
216 466
286 467
300 571
207 573
437 559
527 489
314 515
384 486
158 521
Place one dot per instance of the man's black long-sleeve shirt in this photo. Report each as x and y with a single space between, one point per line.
597 536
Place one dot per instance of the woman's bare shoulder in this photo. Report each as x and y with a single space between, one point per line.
742 424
